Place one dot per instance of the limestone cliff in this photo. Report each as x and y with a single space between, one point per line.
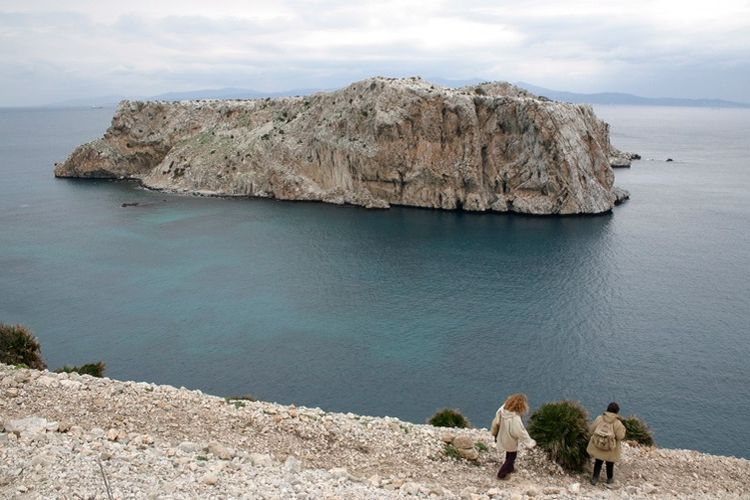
375 143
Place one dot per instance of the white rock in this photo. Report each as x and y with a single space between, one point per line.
261 460
447 437
210 479
292 465
189 447
463 442
220 451
30 426
468 453
47 381
411 488
339 473
72 385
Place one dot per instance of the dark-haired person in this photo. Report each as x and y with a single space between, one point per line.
607 431
508 430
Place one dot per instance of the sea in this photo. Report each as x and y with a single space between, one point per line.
405 311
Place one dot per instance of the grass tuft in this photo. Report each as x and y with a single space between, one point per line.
452 452
561 429
18 346
93 369
637 431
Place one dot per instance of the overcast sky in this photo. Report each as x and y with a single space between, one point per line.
52 50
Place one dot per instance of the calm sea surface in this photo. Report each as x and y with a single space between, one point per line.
404 311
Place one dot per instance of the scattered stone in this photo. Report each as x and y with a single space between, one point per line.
210 479
411 488
339 473
188 447
220 451
463 442
447 437
292 465
468 453
261 460
140 454
47 381
30 426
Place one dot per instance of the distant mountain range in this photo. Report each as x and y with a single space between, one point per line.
557 95
629 99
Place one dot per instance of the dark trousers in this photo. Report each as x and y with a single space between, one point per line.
598 468
508 465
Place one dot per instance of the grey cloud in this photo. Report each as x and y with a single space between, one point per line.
138 53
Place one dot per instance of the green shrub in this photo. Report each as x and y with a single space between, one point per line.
18 346
93 369
480 446
637 431
448 417
452 452
561 429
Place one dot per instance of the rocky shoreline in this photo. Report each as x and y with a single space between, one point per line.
73 436
376 143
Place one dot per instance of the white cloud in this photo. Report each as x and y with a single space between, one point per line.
147 47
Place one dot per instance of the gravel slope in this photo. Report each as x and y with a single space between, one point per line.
152 441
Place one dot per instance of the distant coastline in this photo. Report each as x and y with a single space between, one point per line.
608 98
619 98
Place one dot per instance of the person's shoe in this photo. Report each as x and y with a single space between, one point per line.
594 480
504 477
610 480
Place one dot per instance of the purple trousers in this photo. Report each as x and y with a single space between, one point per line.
508 465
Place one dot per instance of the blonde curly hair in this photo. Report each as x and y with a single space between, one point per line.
518 403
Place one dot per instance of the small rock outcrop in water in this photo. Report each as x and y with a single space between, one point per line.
375 143
620 159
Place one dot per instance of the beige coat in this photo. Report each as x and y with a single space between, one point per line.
611 455
508 429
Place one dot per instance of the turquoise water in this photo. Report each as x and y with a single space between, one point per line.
404 311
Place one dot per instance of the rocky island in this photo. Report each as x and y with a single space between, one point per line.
375 143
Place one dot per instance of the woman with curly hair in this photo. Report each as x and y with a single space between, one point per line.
508 430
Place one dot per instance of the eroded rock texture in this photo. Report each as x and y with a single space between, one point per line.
376 143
